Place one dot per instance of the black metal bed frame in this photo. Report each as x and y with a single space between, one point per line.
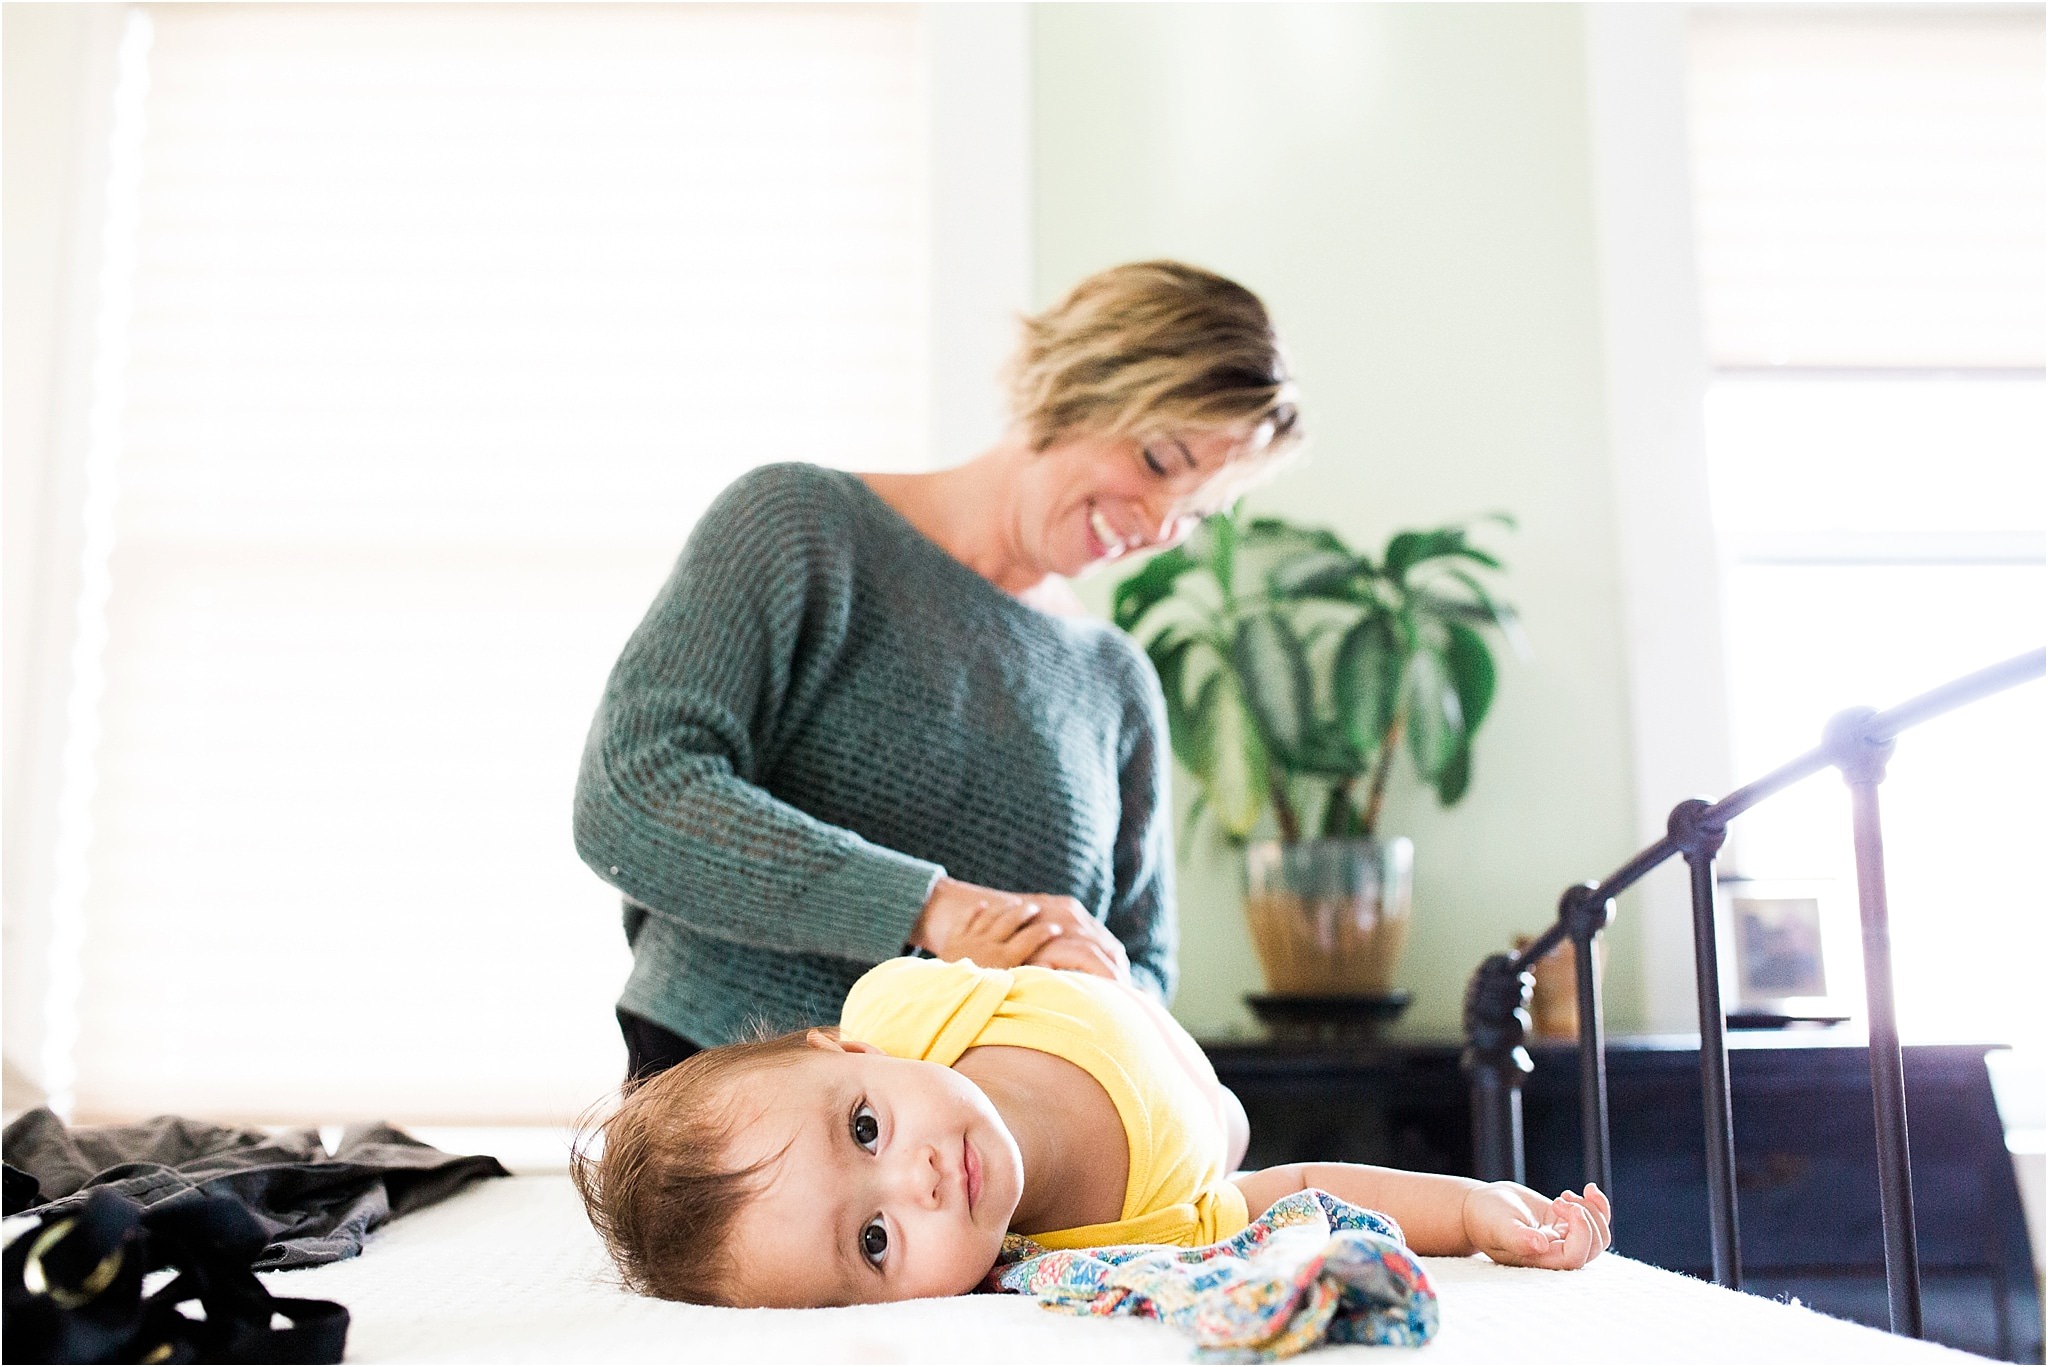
1859 743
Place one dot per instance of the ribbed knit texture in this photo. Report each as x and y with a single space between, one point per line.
821 714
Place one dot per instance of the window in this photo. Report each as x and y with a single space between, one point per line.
1869 200
441 326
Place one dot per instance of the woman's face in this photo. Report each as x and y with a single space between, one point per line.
1091 499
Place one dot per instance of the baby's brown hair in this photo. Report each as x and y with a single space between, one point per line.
658 1189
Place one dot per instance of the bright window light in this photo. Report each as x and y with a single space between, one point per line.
1869 188
445 323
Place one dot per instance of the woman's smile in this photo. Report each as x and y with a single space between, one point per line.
1108 544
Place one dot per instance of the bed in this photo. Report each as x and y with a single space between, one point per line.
510 1271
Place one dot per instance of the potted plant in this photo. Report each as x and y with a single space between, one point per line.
1296 672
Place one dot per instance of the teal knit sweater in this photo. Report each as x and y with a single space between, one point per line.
821 714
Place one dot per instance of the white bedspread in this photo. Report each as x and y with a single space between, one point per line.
510 1271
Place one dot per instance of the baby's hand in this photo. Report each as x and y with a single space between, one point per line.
1512 1224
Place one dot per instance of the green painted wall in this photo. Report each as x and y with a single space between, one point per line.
1409 188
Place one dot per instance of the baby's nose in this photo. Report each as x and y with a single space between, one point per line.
923 1176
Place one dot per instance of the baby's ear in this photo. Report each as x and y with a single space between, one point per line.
827 1038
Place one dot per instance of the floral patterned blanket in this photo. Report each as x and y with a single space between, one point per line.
1313 1269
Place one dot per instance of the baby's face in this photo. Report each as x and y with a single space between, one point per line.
885 1179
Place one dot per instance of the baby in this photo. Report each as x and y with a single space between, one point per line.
885 1159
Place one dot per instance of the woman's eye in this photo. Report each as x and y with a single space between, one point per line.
1152 462
874 1242
866 1130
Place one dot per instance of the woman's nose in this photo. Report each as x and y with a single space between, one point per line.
1164 520
1166 526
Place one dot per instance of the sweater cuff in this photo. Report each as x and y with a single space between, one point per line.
872 901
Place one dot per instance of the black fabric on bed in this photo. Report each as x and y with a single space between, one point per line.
314 1207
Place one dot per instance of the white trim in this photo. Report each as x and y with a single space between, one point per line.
979 72
1656 378
49 430
102 462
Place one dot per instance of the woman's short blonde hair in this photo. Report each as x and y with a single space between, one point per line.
1152 346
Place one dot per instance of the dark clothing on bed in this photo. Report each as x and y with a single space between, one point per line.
315 1207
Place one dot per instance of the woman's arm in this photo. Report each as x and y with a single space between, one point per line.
1455 1216
668 807
1141 909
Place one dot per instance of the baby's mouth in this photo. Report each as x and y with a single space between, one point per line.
970 1166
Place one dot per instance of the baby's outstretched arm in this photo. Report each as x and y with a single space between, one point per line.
1506 1221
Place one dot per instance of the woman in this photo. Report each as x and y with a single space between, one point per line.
864 713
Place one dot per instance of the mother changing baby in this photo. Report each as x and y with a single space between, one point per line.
865 713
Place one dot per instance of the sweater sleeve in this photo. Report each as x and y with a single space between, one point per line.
669 807
1141 909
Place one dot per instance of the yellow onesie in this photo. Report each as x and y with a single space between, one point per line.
1177 1192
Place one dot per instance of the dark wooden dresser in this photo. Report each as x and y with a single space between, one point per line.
1805 1149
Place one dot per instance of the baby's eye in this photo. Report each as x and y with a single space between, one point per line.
866 1130
874 1242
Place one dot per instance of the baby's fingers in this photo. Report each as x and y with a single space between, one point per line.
1593 1209
1582 1239
1601 1213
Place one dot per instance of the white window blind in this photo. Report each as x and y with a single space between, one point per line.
1869 192
446 323
1869 184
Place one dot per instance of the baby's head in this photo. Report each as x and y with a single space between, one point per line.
803 1170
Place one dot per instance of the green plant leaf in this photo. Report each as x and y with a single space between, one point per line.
1196 806
1237 772
1339 820
1436 724
1327 752
1266 544
1313 574
1293 538
1183 615
1190 681
1151 585
1487 613
1222 529
1455 778
1408 548
1272 668
1367 683
1472 674
1183 727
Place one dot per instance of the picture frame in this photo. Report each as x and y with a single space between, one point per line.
1788 952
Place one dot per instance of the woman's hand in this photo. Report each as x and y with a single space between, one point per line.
1000 929
1513 1224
